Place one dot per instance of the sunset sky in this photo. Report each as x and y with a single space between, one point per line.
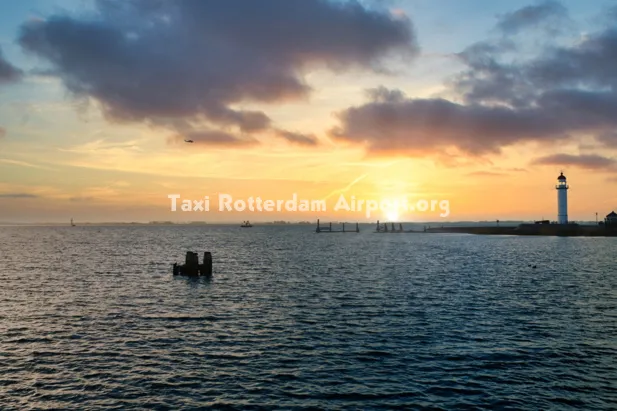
478 102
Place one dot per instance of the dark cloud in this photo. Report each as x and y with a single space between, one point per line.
382 94
551 14
160 61
298 138
586 161
417 126
486 80
558 94
18 195
8 72
591 64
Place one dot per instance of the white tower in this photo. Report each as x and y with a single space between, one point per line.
562 199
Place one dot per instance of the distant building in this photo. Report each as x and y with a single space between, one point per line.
611 219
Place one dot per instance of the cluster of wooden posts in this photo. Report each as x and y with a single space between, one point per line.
191 266
383 228
328 228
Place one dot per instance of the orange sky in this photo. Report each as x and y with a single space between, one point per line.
62 158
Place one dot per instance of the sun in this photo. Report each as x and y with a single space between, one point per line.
392 215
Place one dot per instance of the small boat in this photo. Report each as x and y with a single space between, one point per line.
246 224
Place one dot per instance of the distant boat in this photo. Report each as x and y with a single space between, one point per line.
246 224
72 223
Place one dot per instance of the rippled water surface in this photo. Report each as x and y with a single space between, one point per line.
91 318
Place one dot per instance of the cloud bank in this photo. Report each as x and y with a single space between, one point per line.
585 161
561 93
187 64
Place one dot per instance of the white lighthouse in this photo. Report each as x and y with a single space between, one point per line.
562 199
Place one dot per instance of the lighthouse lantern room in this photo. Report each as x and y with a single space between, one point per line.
562 199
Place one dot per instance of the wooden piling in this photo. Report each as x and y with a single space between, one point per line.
191 265
206 267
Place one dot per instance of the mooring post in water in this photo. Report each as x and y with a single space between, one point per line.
357 228
330 226
343 227
206 268
191 266
318 230
393 229
378 226
400 226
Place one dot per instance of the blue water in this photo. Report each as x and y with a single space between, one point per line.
91 318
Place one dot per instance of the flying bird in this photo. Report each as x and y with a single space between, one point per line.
188 141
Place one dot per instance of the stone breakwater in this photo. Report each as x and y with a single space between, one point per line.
565 230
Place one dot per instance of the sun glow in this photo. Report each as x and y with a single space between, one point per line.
392 215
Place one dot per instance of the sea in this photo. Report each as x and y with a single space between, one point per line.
92 318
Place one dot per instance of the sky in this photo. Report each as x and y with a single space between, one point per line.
478 103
